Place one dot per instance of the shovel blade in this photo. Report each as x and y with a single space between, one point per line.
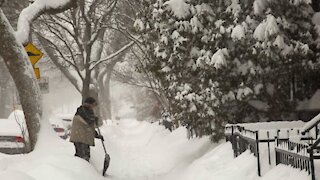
106 164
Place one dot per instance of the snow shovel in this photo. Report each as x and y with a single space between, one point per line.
106 158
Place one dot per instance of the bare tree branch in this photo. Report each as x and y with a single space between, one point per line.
125 78
111 56
56 49
55 59
58 34
57 22
98 24
77 32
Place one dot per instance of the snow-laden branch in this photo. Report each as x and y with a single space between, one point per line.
95 63
37 8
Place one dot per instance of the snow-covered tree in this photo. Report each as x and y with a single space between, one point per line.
17 62
12 10
285 45
217 59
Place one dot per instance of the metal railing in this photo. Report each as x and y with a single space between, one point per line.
243 139
294 154
298 155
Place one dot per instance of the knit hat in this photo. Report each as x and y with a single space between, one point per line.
90 100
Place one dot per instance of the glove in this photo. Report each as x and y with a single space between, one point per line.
98 136
101 137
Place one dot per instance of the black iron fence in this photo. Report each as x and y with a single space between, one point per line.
298 155
287 152
294 154
301 154
243 139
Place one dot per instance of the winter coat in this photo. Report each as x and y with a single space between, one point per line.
83 126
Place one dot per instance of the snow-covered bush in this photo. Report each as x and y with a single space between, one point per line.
228 61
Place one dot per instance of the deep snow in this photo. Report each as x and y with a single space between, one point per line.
139 151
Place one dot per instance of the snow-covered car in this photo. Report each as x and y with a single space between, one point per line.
13 133
60 131
66 120
61 124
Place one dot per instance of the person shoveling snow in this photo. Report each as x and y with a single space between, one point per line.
83 131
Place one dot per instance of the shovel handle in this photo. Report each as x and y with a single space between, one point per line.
104 147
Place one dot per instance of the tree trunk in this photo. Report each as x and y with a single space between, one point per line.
117 43
4 90
86 85
107 84
4 102
104 81
96 54
107 91
20 68
6 99
101 93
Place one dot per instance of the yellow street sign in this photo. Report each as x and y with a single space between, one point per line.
34 56
36 72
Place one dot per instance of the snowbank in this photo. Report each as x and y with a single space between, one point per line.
53 159
220 164
139 151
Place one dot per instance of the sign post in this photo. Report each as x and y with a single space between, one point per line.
34 56
44 85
